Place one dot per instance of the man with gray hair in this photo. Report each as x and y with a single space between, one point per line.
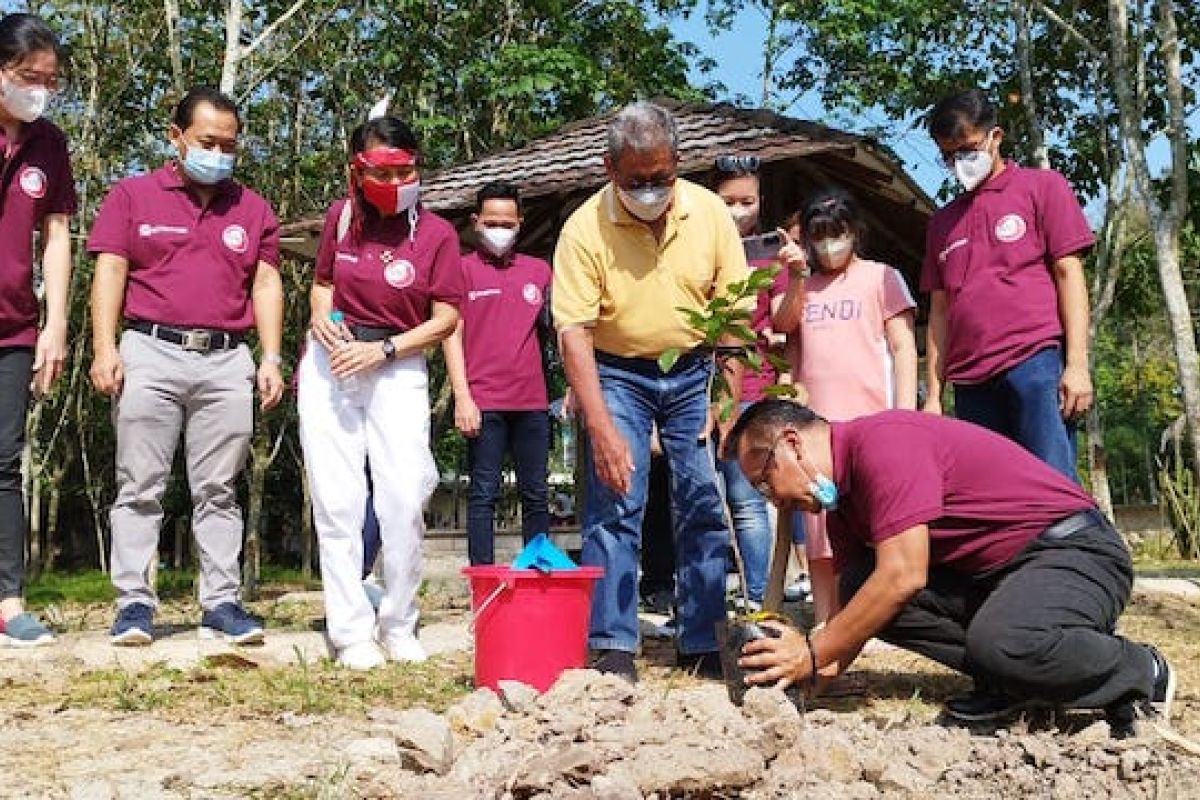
643 247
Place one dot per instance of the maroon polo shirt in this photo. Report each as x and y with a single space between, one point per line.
35 181
755 381
189 266
386 279
505 299
983 497
993 251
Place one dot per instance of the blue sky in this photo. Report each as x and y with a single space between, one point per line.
738 56
738 53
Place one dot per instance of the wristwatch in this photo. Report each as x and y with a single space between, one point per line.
389 349
273 358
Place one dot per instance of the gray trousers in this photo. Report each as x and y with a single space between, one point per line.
209 397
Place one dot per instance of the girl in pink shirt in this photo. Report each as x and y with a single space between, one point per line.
851 342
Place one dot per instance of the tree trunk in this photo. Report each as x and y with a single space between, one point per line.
233 46
307 533
252 549
1037 141
1165 221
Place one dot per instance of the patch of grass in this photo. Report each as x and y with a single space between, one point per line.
94 586
220 685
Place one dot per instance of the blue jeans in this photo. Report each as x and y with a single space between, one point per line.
637 394
751 525
525 434
1022 404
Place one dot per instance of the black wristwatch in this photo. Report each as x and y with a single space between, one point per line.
389 349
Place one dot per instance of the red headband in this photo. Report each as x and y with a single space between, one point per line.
385 157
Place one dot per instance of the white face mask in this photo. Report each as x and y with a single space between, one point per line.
973 167
647 203
26 103
497 241
834 253
745 218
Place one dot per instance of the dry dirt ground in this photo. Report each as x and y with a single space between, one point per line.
83 721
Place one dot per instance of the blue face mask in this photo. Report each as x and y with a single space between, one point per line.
208 166
826 492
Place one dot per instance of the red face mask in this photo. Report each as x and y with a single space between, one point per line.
387 197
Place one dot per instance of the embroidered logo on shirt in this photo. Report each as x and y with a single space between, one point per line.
532 294
146 230
476 294
33 182
353 259
235 238
1010 228
400 274
950 248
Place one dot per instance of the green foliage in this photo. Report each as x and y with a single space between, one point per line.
724 318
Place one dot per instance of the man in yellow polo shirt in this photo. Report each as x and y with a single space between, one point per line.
645 245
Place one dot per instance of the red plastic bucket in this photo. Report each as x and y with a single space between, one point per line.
529 625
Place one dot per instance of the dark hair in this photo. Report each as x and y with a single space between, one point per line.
498 190
830 213
959 113
24 34
185 112
390 131
771 414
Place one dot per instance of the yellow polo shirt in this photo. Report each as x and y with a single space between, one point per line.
610 274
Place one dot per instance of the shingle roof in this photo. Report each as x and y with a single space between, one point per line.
570 162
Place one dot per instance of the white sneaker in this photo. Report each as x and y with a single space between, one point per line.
405 648
361 657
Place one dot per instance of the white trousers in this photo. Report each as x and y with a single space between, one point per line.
386 421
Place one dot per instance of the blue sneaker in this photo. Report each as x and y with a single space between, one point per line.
231 622
134 626
24 630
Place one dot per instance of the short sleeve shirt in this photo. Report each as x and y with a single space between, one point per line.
387 276
504 305
992 251
840 351
35 182
983 496
612 275
189 265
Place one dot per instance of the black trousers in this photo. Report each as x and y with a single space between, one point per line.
15 370
1040 627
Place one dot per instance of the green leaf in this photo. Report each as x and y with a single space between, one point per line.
666 362
742 332
781 390
780 363
727 408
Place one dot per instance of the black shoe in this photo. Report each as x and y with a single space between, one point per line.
1122 719
615 662
1163 695
702 665
983 705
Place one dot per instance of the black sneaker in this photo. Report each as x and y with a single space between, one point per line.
1122 719
702 665
984 705
615 662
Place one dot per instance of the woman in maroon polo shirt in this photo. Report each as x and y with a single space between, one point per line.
388 285
37 192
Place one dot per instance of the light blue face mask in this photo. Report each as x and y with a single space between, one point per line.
208 166
825 491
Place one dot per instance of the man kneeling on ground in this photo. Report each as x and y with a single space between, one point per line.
955 543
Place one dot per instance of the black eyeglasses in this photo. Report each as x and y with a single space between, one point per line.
763 484
739 165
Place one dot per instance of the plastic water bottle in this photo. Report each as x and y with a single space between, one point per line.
348 385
